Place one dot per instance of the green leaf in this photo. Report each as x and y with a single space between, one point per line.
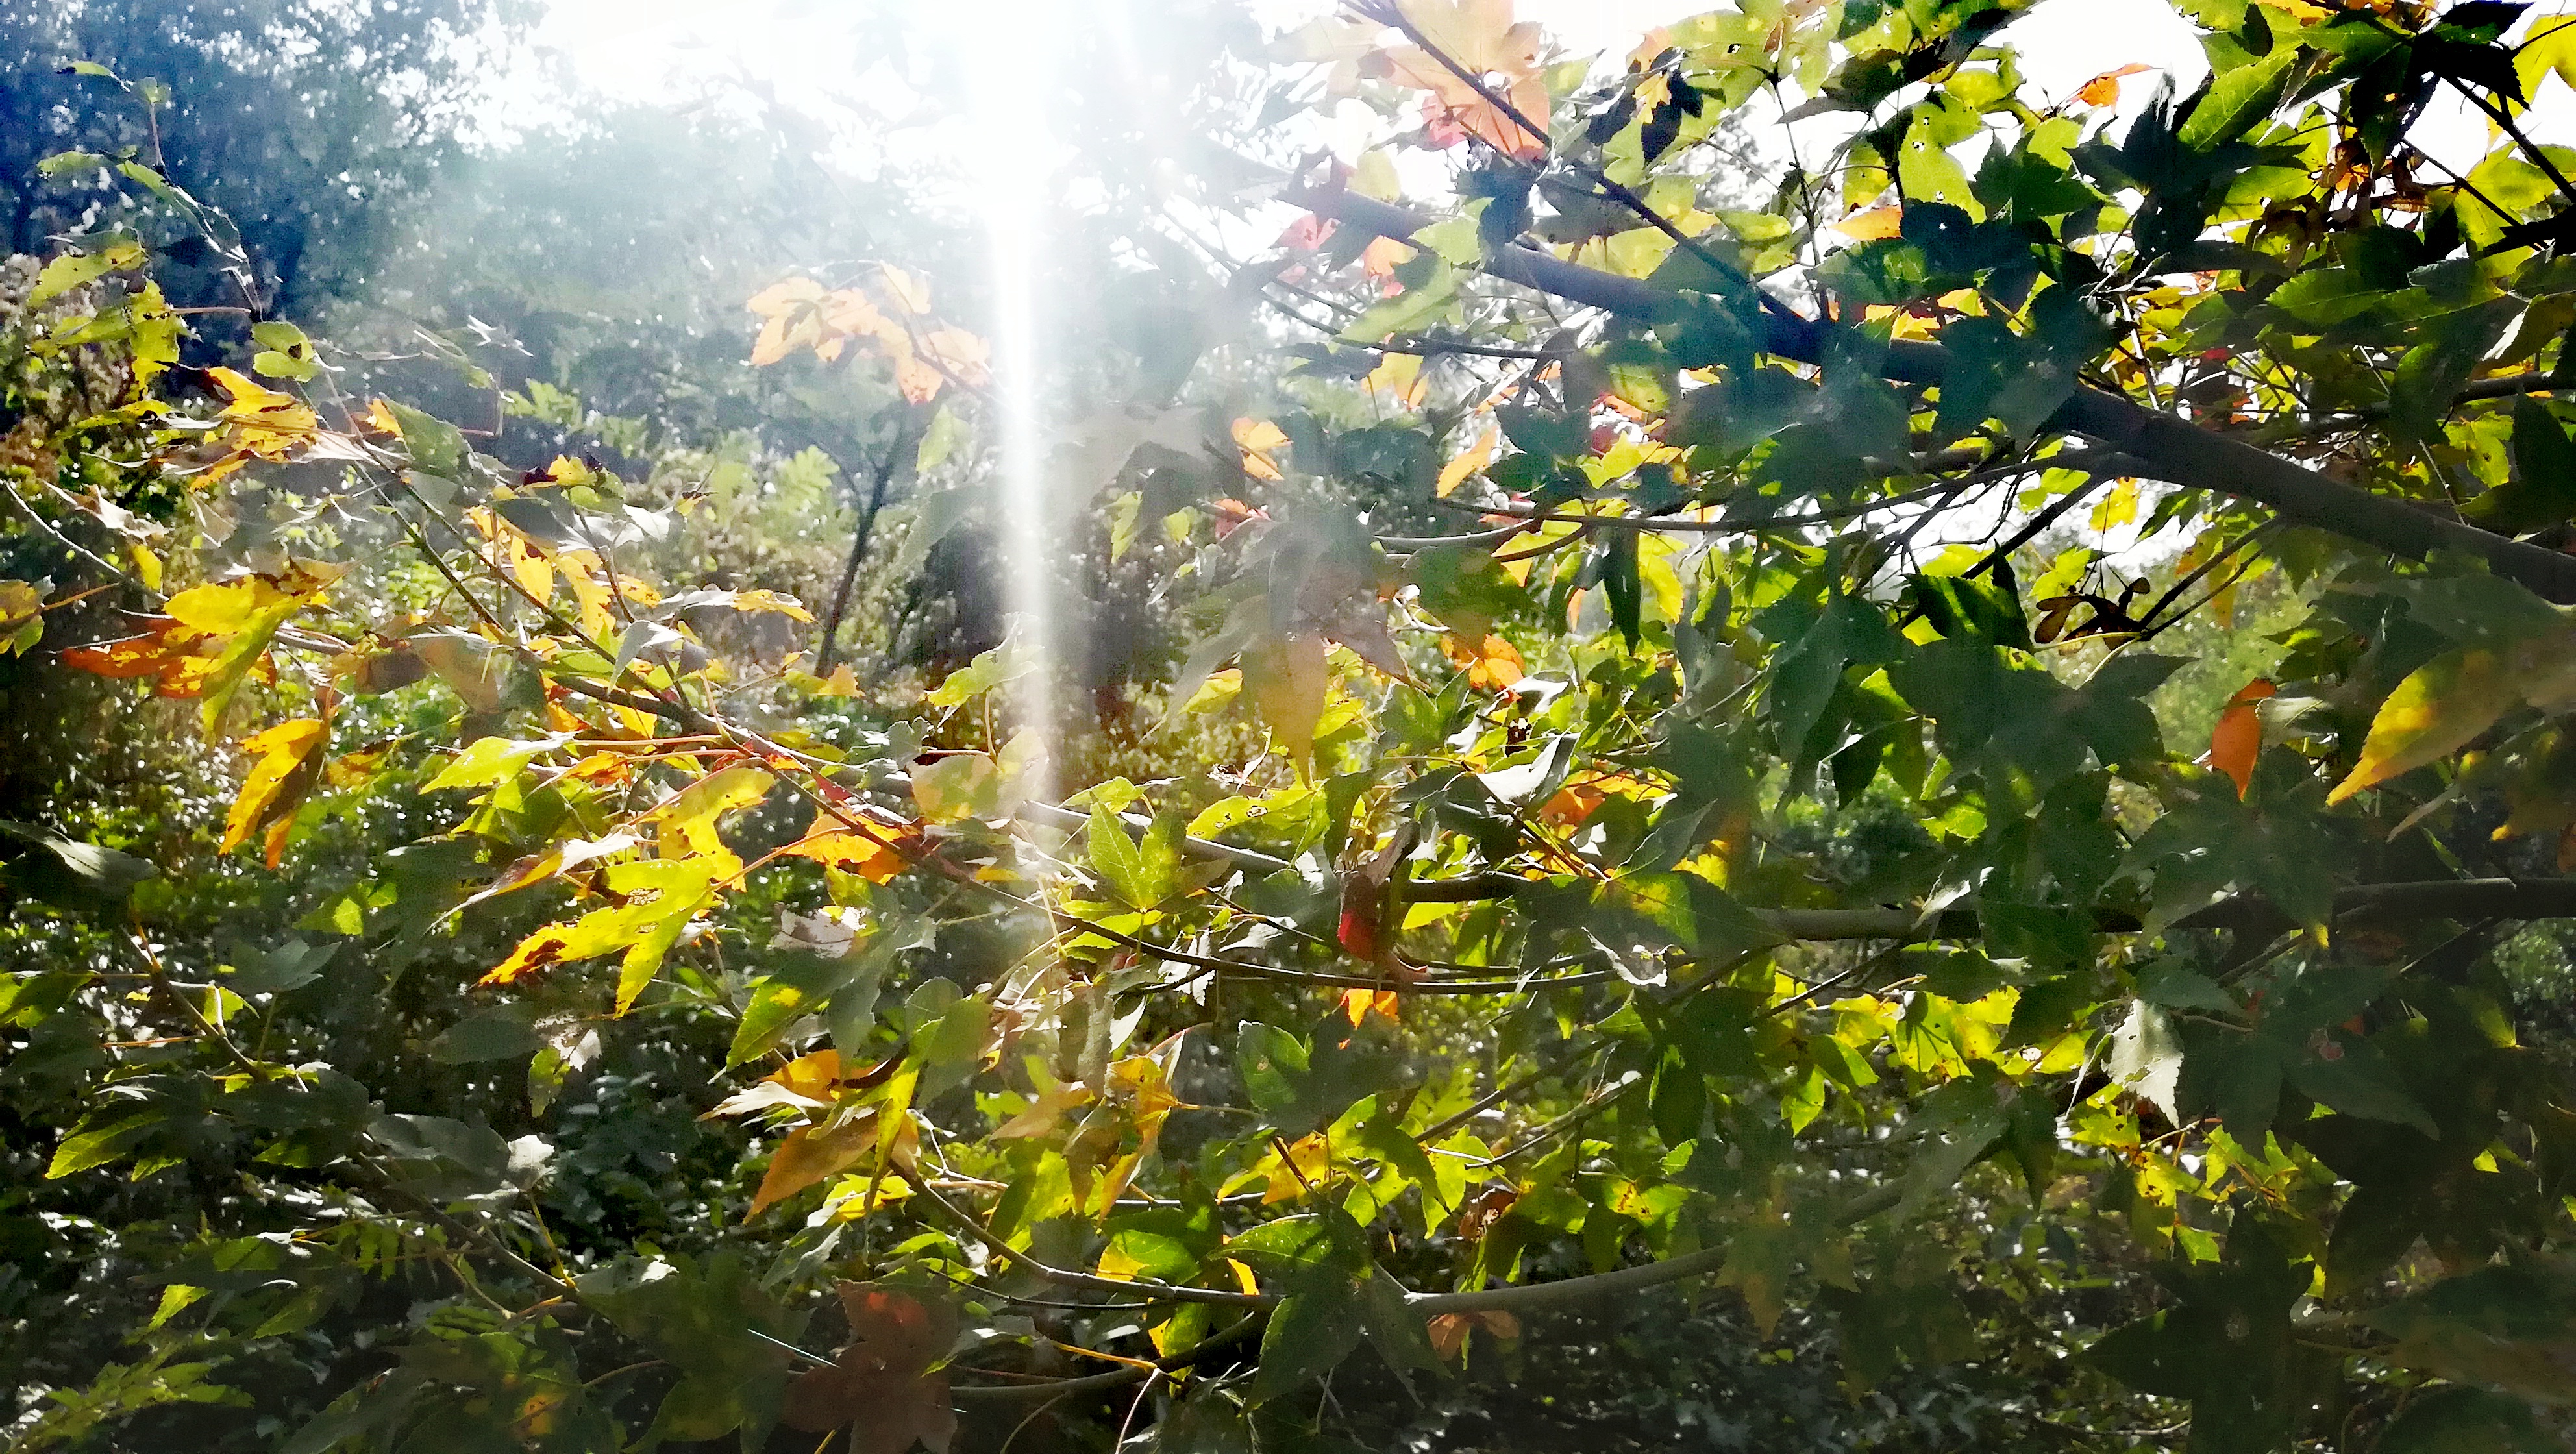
2542 488
436 446
74 269
1312 1330
2511 1327
80 877
2350 1074
2466 1421
2235 101
500 1033
1119 862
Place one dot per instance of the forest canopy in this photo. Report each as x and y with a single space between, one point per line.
1409 740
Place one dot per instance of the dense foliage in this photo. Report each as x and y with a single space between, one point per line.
1639 869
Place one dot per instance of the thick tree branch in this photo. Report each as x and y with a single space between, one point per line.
2168 449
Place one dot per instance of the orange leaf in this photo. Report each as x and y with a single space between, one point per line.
811 1076
1873 225
1449 1330
2238 738
1358 1003
2104 89
847 850
1492 664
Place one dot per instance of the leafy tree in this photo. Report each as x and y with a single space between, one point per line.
1639 814
308 121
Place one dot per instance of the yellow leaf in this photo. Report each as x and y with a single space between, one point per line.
1478 34
2118 508
811 1076
688 821
1219 689
960 353
1285 677
910 291
1873 225
1468 461
1380 257
259 423
224 607
809 1154
1309 1163
276 783
1042 1115
1256 438
2441 708
1358 1003
782 297
1119 1264
1399 374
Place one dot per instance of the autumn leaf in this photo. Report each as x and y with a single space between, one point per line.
2442 707
1874 225
1286 680
842 848
2238 738
1492 664
659 899
177 658
1449 1330
1358 1004
1468 461
22 620
258 423
2104 89
244 614
1256 439
882 1386
1480 36
687 823
284 774
808 1154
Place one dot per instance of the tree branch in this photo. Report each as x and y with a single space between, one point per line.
2168 449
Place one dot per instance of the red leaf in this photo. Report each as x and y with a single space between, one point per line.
881 1387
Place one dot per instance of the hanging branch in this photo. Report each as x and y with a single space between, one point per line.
906 439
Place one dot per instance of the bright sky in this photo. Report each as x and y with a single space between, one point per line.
808 49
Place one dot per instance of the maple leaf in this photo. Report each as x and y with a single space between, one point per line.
1468 461
1874 225
276 785
1481 38
1257 438
836 845
259 423
2238 737
1285 678
882 1386
178 658
1492 664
